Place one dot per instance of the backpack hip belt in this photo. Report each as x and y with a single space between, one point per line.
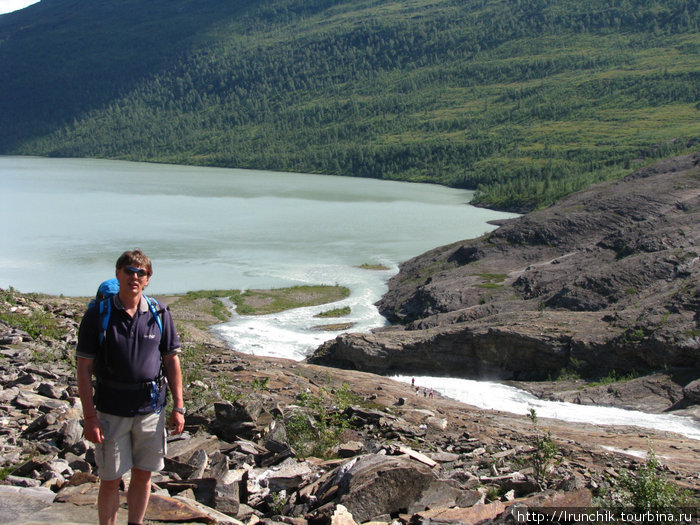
131 387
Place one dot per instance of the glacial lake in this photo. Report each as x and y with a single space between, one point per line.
67 220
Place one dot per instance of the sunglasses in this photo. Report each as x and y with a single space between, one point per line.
130 270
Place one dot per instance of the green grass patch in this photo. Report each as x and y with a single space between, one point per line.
613 377
493 277
190 362
368 266
261 302
207 301
632 336
35 323
8 296
316 430
489 285
646 489
336 312
6 471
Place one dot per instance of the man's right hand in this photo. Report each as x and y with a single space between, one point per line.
93 429
91 423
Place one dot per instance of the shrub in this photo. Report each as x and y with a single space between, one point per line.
191 363
315 432
544 453
647 490
36 323
260 384
613 377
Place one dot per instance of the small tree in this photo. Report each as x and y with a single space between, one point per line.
544 453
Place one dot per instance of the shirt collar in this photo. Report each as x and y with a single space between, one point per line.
143 305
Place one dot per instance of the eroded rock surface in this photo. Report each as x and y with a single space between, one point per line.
605 281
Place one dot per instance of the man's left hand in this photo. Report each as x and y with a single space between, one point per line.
177 422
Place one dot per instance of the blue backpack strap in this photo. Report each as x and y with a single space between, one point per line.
105 311
153 306
155 386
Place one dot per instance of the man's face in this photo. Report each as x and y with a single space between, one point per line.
132 279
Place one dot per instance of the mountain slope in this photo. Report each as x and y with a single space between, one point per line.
526 101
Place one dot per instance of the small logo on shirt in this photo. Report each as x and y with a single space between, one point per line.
149 336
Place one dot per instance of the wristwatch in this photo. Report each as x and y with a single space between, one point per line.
181 410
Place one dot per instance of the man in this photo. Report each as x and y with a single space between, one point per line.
125 419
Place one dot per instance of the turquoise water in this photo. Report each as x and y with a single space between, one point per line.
209 228
66 221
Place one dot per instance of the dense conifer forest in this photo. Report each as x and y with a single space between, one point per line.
523 100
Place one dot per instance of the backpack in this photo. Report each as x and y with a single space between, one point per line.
105 291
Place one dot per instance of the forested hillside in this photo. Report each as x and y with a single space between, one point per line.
525 100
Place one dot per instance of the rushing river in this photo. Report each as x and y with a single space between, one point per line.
496 396
67 220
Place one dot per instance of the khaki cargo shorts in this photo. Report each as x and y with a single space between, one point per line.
137 442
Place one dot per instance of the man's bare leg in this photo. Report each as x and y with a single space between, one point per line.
138 494
108 501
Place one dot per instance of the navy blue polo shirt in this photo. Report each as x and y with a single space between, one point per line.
131 353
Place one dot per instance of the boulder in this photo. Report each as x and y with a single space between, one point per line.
691 391
238 418
276 437
458 515
374 485
342 516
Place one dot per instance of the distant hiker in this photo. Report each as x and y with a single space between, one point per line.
413 381
431 393
129 343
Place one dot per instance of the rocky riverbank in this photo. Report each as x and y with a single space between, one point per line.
277 441
603 284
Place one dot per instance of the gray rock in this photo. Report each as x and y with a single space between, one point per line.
276 437
22 501
40 423
349 449
227 498
18 481
237 419
373 485
444 457
199 461
288 475
691 391
218 466
71 433
50 390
